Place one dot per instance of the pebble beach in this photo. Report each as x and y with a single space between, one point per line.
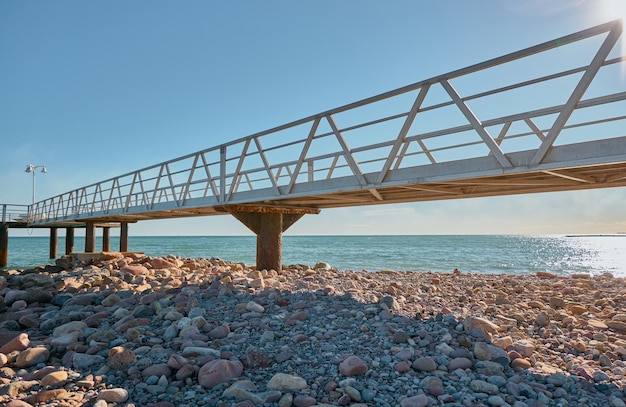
125 329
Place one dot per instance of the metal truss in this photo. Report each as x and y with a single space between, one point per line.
452 136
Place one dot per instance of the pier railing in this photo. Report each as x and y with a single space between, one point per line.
14 213
498 108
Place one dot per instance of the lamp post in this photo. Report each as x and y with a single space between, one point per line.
33 169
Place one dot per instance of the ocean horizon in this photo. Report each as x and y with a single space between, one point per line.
490 254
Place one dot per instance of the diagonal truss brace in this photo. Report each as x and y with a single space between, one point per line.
403 132
305 150
354 166
577 94
267 166
478 126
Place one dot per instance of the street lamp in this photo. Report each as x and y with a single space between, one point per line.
33 168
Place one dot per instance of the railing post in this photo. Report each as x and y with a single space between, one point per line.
222 196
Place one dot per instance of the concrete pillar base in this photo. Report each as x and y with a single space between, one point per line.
268 223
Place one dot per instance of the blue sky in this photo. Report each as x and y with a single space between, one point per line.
97 89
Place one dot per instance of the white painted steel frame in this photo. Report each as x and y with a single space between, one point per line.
10 213
245 171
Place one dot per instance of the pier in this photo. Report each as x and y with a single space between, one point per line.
430 140
16 217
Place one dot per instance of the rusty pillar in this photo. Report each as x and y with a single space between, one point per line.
4 244
268 223
69 240
90 237
123 236
106 239
54 242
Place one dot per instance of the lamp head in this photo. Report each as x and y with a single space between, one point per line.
43 169
29 168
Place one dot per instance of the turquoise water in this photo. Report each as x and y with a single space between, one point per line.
469 253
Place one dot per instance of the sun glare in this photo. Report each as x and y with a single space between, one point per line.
616 9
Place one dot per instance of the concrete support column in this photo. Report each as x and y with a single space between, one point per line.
123 236
4 244
268 223
106 239
269 241
54 242
90 237
69 240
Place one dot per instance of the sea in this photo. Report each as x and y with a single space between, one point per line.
493 254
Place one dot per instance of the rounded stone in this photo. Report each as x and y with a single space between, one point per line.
459 363
425 364
433 385
284 381
304 401
83 361
121 358
19 343
31 357
113 395
219 371
353 366
47 395
159 369
111 300
421 400
54 378
73 326
520 363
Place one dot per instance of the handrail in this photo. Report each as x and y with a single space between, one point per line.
328 146
13 213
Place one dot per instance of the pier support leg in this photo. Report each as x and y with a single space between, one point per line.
69 240
4 244
54 243
106 239
123 236
268 224
90 237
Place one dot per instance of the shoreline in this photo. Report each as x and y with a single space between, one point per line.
171 331
482 254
